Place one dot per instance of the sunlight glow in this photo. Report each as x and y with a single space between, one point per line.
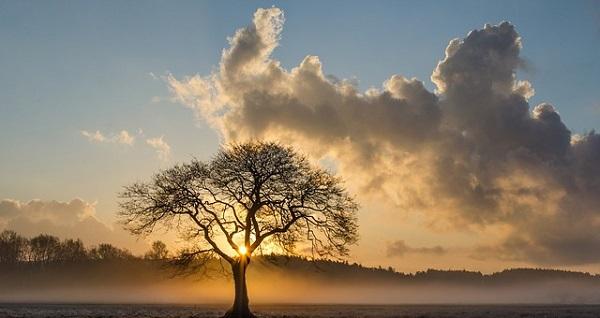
243 250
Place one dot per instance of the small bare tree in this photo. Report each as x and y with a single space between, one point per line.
248 195
157 252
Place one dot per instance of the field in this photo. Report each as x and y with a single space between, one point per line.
292 311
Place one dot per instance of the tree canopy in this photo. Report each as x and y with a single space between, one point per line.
247 195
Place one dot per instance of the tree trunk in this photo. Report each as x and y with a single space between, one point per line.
240 307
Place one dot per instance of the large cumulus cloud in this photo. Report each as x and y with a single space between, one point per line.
473 153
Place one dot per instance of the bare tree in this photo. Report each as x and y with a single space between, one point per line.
157 252
12 247
72 251
108 252
44 248
249 195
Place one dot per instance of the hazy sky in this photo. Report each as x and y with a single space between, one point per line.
95 95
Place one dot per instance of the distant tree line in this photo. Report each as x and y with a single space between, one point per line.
48 249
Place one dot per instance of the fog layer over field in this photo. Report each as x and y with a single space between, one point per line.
290 281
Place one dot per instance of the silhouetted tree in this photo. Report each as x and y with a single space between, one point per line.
108 252
12 247
157 252
72 251
44 248
249 194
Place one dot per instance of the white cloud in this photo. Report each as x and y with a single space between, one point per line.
163 150
123 137
96 136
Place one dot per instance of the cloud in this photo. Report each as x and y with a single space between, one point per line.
472 154
95 136
63 212
161 147
123 137
72 219
399 248
163 150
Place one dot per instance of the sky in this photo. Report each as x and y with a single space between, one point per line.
96 95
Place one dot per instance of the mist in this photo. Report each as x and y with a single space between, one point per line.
304 282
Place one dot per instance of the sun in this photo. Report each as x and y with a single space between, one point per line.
243 250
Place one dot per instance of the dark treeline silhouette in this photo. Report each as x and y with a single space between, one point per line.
343 270
47 249
46 269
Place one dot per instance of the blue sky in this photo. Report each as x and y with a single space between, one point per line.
72 66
